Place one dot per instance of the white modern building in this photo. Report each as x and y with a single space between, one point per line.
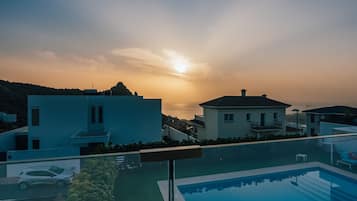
324 120
60 125
240 117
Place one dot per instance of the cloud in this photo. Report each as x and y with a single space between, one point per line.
46 54
140 57
161 62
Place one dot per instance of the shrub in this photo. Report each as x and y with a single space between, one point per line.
95 182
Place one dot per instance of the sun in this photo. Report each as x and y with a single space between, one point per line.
178 62
180 65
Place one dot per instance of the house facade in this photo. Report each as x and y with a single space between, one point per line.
62 125
323 121
241 117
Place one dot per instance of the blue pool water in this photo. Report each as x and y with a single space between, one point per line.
312 184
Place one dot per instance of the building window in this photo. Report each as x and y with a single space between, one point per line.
35 116
312 131
262 119
93 114
275 116
248 117
228 117
35 144
100 114
312 118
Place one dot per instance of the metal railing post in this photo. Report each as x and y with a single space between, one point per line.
171 178
171 154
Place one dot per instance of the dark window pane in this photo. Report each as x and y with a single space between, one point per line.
45 173
35 144
100 114
93 114
262 119
228 117
312 131
31 173
35 116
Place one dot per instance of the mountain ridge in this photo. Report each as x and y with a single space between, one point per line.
13 96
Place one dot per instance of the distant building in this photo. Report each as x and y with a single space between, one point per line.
7 118
12 140
60 125
322 121
241 116
345 130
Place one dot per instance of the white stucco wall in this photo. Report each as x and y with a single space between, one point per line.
217 127
129 118
177 135
16 155
211 124
315 124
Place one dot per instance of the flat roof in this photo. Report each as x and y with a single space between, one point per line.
338 110
349 129
24 129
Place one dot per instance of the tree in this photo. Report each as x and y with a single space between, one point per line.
95 182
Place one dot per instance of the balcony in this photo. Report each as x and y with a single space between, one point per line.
94 136
267 128
311 168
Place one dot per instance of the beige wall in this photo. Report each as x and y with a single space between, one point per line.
211 123
217 127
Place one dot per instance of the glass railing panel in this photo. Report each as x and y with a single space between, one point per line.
102 178
253 171
125 177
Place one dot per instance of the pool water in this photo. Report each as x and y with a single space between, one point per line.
312 184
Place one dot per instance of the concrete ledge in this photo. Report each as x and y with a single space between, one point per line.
171 153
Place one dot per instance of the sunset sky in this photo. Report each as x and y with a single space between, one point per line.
303 52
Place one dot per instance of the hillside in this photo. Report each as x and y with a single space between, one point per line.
13 96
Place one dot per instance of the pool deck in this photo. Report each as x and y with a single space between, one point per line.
163 184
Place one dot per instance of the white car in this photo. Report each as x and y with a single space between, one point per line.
45 175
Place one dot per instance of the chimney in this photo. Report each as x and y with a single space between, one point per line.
264 95
244 92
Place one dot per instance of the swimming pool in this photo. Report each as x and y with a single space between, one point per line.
314 181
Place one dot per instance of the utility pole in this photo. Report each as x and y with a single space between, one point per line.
297 120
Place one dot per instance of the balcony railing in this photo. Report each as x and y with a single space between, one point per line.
85 137
258 127
235 168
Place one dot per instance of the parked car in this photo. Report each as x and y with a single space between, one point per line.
45 175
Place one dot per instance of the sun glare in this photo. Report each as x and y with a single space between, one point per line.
178 62
180 65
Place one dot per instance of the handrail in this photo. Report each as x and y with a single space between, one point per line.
171 153
203 147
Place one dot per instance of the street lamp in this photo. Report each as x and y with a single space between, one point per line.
297 119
